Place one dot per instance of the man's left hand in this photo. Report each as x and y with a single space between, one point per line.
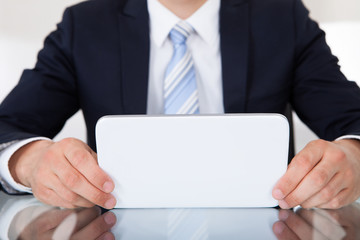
323 175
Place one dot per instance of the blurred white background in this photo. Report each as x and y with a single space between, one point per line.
25 23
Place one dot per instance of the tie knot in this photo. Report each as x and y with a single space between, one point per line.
181 32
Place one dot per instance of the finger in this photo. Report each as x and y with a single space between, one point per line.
50 197
322 224
339 200
299 226
283 232
77 183
94 155
86 163
327 193
96 228
299 167
311 184
68 195
54 183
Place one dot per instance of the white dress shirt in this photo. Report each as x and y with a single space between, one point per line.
204 46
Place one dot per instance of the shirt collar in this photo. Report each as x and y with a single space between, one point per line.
205 21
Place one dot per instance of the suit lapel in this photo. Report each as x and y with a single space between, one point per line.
234 32
135 50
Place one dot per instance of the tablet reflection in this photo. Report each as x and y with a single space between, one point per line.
214 224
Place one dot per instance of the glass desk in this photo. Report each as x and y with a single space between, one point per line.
23 217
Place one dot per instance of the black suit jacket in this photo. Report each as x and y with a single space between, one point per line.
98 61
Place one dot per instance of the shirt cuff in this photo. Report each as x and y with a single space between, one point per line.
6 145
349 137
5 156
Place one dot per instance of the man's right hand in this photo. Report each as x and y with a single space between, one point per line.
64 174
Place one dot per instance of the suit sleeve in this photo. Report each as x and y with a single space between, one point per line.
45 96
322 96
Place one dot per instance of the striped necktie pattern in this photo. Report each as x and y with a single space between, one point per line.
180 88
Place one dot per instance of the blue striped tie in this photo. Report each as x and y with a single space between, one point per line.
180 89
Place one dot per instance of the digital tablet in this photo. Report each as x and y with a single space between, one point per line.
192 161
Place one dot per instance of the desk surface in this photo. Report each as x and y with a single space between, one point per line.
23 217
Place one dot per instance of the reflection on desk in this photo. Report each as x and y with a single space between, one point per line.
26 218
23 217
194 224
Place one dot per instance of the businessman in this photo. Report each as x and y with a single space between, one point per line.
180 56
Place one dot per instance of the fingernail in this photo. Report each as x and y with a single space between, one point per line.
279 228
110 204
283 215
109 218
283 204
108 187
278 194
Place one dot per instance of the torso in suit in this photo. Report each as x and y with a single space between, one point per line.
98 60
